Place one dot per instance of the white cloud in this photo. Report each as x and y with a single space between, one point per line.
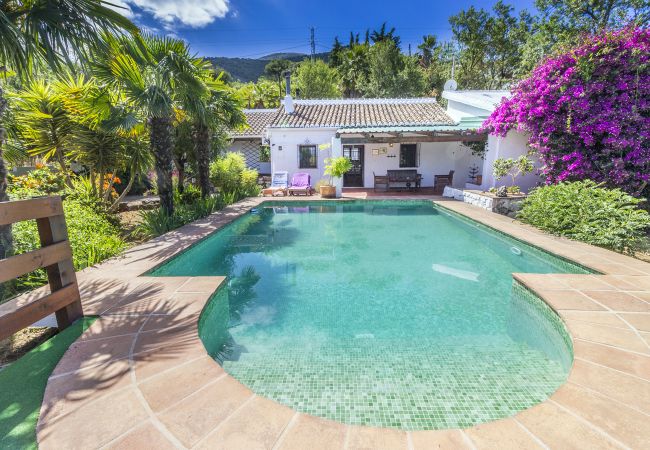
121 6
193 13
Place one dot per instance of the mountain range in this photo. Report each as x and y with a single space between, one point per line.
250 69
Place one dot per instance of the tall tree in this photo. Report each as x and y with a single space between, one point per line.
354 70
211 115
593 16
391 74
155 75
490 45
275 70
428 45
382 34
336 54
52 33
315 79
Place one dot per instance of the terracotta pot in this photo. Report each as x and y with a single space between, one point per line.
328 191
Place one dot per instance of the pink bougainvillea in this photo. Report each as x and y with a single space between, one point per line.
588 112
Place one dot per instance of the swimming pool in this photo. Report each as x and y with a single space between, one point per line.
395 314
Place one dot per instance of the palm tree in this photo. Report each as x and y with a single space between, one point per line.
156 75
427 46
108 136
354 70
51 33
222 111
382 35
214 109
276 69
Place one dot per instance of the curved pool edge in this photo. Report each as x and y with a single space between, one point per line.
132 365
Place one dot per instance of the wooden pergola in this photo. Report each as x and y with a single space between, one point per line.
466 130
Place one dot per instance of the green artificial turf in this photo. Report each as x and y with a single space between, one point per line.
22 386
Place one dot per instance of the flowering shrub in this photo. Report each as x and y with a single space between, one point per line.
588 112
40 181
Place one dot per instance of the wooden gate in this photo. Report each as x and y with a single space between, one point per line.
55 256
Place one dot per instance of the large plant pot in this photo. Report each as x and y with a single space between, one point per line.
328 191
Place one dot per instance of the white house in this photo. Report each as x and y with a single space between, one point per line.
462 105
378 135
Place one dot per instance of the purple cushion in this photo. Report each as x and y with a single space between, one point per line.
300 180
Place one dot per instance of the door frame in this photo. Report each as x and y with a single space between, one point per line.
362 161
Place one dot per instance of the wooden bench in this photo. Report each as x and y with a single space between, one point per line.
409 177
55 256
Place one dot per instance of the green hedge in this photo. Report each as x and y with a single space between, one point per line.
588 212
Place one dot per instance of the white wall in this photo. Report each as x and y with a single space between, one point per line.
512 146
284 149
436 158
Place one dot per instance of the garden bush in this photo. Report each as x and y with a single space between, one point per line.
588 212
38 182
93 237
156 222
231 177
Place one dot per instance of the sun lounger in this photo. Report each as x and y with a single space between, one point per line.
279 182
300 184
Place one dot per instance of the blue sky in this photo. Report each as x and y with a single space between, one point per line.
253 28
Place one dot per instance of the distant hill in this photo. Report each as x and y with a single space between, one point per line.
248 69
289 56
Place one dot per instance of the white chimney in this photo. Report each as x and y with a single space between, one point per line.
288 101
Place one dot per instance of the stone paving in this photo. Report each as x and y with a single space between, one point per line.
140 377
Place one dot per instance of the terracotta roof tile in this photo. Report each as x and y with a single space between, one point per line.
257 120
362 112
347 113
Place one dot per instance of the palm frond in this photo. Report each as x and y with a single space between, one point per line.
56 32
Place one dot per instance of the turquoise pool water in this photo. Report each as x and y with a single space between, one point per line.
395 314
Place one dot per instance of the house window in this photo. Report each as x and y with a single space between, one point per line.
307 157
408 155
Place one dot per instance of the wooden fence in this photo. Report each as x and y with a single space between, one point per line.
55 256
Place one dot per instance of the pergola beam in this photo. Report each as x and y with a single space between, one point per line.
434 137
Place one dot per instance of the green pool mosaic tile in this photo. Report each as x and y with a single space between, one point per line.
392 314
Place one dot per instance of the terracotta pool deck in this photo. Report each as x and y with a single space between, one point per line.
140 377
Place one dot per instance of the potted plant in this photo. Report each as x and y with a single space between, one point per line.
510 167
335 168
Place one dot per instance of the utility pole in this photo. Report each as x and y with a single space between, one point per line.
312 42
409 49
